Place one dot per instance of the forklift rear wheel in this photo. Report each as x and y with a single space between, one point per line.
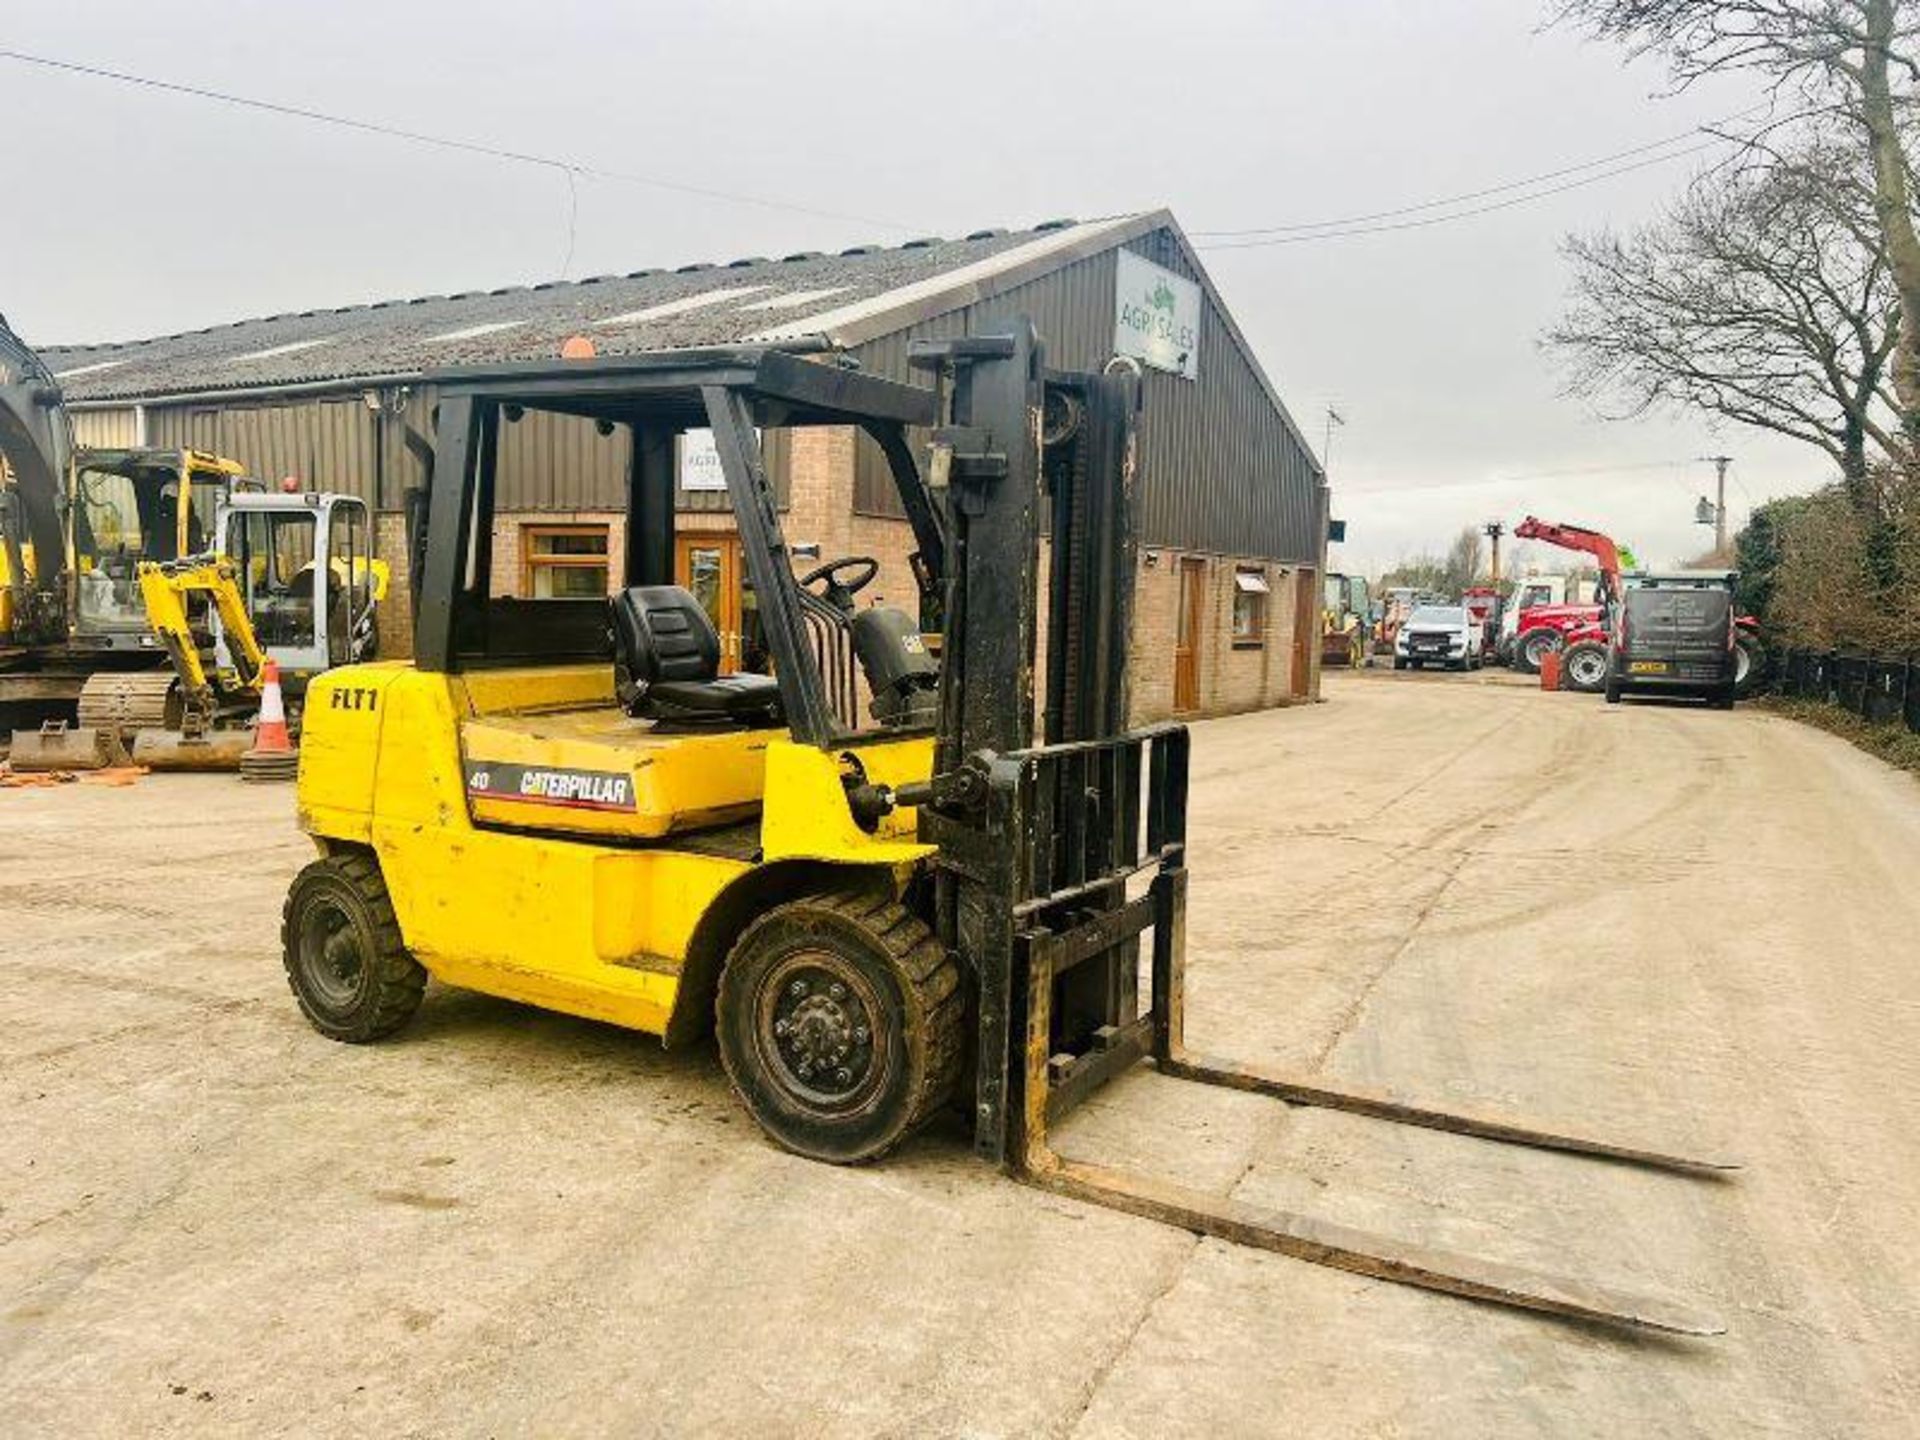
839 1020
346 962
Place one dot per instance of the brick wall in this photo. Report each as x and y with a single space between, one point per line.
1232 675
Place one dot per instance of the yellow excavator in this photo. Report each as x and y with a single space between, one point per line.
941 900
80 667
293 582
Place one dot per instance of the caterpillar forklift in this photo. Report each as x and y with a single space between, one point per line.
940 899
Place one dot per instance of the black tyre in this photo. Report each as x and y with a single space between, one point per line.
1583 667
1749 664
839 1020
1613 693
345 960
1723 699
1530 647
1398 663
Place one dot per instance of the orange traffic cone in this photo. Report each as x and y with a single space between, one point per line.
273 756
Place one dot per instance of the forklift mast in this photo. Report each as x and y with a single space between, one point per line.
1038 841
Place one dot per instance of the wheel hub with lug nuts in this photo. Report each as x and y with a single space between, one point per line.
823 1033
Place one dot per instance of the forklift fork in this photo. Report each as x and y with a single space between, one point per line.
1053 1081
1039 846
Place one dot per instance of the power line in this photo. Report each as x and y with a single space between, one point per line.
571 168
1481 194
1430 220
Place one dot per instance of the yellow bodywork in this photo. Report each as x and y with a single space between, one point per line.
164 590
542 846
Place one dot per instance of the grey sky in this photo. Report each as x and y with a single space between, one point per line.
141 213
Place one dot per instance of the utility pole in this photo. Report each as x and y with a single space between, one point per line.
1493 530
1720 463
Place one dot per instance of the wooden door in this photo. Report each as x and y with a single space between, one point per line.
1188 628
708 566
1306 631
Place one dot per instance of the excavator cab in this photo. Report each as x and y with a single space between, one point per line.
129 507
965 895
291 580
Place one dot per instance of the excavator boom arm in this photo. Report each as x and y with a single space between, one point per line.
37 446
165 588
1575 537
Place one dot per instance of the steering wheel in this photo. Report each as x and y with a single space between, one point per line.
830 573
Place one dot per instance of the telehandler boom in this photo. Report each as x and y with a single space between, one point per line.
937 900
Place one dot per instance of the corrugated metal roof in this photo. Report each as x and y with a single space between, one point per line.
844 296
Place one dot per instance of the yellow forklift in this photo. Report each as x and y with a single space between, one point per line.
934 890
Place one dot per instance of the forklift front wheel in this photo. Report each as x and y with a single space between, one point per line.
839 1021
346 962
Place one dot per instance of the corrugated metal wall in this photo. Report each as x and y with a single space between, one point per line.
106 429
547 462
327 444
561 462
1221 469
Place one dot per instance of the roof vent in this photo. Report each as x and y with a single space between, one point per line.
548 285
748 263
646 274
994 234
425 299
383 305
594 280
800 255
694 268
925 242
507 290
1046 225
861 250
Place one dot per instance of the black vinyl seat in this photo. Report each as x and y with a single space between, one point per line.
667 664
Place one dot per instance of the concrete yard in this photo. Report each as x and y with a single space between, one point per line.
1671 924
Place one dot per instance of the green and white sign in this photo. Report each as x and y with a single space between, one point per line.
1156 317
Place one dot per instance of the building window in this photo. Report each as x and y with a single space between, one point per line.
564 562
1249 606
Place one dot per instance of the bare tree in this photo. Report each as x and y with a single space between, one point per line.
1851 59
1463 559
1761 295
1446 574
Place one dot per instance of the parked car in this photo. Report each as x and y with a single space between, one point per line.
1675 634
1439 635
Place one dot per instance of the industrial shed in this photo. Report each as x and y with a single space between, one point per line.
1233 500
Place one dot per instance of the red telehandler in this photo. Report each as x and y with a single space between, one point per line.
1579 631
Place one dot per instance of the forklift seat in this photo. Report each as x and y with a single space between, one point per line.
667 664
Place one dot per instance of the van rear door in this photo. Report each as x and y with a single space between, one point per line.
1680 634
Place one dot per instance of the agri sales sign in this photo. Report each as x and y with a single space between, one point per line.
1156 316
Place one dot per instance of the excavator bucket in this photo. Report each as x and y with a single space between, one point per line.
177 750
56 745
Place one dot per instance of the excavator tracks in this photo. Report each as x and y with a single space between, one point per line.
129 701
